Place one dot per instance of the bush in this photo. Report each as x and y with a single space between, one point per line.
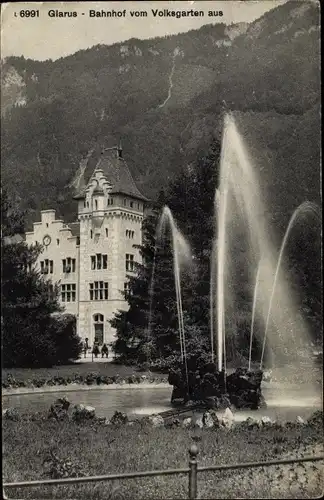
68 345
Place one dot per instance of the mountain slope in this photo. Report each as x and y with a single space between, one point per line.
164 98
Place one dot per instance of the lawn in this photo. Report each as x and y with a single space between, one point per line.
95 450
68 371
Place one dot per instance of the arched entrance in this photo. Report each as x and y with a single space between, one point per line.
98 323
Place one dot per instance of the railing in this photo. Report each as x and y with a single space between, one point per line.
192 471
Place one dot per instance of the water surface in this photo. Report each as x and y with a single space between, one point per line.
283 403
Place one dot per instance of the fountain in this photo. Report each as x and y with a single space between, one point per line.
240 215
182 258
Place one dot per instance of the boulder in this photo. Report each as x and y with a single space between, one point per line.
101 420
81 413
214 389
156 420
11 414
187 422
250 423
199 423
119 418
228 418
267 376
59 409
300 420
210 419
266 421
89 411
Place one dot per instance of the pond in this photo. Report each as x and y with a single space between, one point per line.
283 403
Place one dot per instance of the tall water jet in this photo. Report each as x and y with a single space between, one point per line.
244 236
255 295
242 221
220 209
182 258
303 209
213 274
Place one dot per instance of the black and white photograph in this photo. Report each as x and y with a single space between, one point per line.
161 240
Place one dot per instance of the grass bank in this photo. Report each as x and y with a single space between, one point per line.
91 449
102 368
82 373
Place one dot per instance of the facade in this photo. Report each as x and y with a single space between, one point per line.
91 258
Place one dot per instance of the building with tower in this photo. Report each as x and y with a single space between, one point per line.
91 258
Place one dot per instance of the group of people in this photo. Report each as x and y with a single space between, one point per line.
96 349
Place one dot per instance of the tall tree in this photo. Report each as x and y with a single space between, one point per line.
191 199
29 331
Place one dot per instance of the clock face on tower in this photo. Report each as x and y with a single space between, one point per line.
47 240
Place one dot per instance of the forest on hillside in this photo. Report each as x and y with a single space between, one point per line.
267 73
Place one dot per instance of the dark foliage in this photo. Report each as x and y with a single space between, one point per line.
31 335
104 93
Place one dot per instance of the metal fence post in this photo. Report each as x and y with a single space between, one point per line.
193 452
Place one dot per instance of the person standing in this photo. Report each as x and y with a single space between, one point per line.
104 351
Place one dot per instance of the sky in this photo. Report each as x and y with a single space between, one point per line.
46 37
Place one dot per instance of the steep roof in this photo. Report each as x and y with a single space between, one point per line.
116 170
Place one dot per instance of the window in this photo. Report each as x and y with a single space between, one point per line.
99 261
129 262
68 265
84 204
130 234
57 242
124 202
98 322
98 290
96 205
106 232
131 204
110 201
46 224
91 233
127 290
68 292
46 266
87 204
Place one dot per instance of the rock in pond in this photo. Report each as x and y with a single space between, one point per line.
156 420
210 419
119 418
228 419
59 409
266 421
187 422
199 423
81 413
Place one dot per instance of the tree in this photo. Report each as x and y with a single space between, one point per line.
30 333
153 308
139 336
